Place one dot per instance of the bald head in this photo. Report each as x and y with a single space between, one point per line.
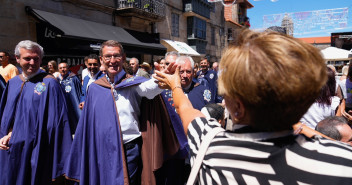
336 127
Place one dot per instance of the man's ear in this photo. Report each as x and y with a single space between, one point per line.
101 60
18 59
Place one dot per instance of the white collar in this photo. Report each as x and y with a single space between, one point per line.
26 78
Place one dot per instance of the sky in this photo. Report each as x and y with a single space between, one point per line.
312 18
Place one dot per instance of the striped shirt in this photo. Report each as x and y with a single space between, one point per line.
246 156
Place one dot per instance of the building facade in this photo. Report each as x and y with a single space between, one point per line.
70 30
206 27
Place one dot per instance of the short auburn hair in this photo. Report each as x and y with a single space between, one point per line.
276 76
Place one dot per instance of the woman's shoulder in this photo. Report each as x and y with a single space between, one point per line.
335 101
202 122
200 126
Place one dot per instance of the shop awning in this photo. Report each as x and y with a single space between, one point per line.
79 28
181 47
336 54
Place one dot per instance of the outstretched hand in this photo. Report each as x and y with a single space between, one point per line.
170 69
168 80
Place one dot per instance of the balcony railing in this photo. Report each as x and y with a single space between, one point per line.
200 7
156 7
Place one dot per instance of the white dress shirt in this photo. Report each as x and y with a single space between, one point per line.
91 80
85 72
128 107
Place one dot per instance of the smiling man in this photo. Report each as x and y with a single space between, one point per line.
35 128
93 66
110 123
208 78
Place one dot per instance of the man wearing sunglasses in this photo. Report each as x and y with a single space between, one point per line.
7 70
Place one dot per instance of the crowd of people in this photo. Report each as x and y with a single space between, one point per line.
259 116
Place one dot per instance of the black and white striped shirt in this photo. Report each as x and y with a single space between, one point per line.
245 156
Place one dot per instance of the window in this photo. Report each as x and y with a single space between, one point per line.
196 28
174 24
212 35
201 7
212 7
229 35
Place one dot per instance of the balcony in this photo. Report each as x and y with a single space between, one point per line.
197 8
244 21
152 10
198 45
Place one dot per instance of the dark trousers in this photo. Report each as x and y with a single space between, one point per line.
134 161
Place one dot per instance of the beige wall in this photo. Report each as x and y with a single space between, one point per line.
17 25
216 20
164 27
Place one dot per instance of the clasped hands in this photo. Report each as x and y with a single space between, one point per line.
169 77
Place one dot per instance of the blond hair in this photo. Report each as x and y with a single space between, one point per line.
277 77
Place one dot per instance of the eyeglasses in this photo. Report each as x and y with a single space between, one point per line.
94 64
109 57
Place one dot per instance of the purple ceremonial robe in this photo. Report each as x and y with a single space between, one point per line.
177 125
97 153
41 137
71 86
2 85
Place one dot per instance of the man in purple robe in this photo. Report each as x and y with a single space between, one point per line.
71 86
35 132
208 78
108 140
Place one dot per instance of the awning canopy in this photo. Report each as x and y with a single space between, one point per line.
336 54
181 47
79 28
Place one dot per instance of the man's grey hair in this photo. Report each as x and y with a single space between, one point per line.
29 45
175 53
182 59
134 58
328 126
